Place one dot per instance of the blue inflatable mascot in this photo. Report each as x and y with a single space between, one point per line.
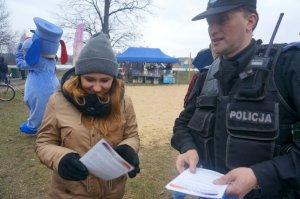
38 56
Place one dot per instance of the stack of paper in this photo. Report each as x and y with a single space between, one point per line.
198 184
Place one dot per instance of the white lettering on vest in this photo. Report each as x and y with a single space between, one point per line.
239 115
232 114
268 118
255 117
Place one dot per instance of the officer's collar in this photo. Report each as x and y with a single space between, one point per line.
243 57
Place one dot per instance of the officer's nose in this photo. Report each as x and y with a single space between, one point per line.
213 29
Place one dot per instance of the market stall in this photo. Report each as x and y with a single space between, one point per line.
146 65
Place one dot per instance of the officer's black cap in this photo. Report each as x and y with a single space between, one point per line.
220 6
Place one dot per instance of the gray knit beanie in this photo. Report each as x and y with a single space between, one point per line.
97 56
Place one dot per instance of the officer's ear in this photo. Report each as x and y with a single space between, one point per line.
252 19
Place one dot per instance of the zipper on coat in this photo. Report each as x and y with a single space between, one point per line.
88 184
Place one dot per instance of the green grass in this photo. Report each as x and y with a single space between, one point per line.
157 169
23 176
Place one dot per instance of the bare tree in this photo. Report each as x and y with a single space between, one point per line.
6 36
117 18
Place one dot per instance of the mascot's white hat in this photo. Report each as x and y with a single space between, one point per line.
45 42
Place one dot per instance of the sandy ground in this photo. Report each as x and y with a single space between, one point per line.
156 109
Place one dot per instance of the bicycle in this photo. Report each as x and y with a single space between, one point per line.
7 90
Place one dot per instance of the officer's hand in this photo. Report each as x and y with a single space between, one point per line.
186 160
241 181
70 168
131 157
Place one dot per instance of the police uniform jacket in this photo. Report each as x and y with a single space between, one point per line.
241 127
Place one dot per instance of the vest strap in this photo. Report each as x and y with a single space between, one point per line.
254 77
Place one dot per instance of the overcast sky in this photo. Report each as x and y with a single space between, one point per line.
170 27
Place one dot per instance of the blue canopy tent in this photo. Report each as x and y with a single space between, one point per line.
138 56
149 55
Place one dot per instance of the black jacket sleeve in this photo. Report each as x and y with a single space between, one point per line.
283 172
3 67
182 140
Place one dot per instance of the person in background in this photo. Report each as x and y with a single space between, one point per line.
203 59
23 74
37 55
26 43
90 105
244 122
3 70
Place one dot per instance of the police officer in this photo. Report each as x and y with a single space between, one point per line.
240 122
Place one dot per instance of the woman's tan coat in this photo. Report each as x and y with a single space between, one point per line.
62 132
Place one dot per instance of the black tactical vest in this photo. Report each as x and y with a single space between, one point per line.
251 124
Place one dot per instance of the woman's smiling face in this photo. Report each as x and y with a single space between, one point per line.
96 83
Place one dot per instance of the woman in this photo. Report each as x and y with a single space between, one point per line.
90 106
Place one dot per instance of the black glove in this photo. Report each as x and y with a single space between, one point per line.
131 157
70 168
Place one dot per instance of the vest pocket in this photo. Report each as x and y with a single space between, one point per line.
259 121
205 148
246 152
202 122
253 129
203 119
201 127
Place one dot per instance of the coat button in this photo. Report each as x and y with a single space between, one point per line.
67 191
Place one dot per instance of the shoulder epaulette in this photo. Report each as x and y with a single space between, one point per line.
291 45
263 48
205 68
